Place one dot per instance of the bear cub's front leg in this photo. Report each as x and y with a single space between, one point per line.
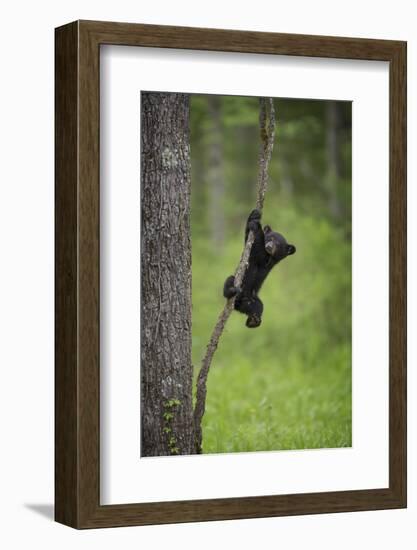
253 223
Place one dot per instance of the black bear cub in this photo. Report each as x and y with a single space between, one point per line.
268 249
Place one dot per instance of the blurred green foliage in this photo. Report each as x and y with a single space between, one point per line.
286 384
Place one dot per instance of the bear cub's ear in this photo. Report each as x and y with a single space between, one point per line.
290 249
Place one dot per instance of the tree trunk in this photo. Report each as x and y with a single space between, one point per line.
166 369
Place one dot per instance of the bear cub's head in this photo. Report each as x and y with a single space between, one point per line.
276 245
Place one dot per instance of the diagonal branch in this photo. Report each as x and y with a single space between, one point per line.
267 131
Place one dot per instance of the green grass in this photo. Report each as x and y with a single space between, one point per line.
287 384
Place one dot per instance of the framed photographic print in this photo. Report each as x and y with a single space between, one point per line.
230 274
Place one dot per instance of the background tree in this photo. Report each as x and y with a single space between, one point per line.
215 172
166 369
333 116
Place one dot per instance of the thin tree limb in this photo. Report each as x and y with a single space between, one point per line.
267 132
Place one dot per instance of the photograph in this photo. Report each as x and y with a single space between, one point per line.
246 274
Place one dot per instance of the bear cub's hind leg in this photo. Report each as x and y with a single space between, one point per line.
229 289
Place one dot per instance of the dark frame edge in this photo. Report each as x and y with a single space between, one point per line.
236 40
242 508
398 273
66 275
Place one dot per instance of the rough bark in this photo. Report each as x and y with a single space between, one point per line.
267 133
166 368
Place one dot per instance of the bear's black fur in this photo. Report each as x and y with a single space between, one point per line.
268 249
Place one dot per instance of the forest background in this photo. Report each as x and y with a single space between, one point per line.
287 384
